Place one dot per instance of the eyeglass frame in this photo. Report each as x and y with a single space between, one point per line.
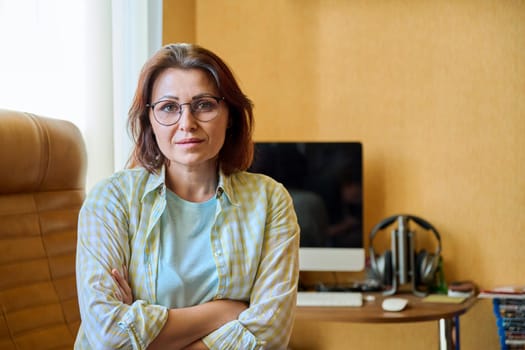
218 99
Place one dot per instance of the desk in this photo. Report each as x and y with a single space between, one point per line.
417 311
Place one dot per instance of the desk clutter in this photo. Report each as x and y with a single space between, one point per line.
441 298
510 319
509 309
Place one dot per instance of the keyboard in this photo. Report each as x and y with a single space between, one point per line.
330 299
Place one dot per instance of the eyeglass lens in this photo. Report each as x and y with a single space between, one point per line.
168 112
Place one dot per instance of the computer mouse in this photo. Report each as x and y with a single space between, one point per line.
394 304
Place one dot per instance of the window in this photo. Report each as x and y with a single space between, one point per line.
79 60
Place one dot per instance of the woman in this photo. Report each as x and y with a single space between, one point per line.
186 250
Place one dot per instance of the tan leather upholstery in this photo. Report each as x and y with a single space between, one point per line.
42 179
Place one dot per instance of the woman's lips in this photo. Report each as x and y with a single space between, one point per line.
189 142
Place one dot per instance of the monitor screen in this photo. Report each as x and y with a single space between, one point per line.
325 181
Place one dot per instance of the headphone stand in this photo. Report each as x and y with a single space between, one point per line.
403 246
413 266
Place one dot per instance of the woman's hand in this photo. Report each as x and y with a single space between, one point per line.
124 293
186 327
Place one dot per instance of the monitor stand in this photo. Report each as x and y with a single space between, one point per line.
331 259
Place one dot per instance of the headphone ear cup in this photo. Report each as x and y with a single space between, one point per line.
430 267
378 267
419 269
426 267
388 273
383 268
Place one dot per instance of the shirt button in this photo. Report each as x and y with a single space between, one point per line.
218 253
219 296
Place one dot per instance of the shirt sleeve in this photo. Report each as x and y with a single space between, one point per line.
103 244
267 323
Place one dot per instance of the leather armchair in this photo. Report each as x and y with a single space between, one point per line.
42 186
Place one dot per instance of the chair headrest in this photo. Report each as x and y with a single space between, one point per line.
40 154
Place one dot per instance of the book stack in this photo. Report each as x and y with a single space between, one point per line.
509 309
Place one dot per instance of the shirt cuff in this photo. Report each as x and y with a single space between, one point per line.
232 335
143 322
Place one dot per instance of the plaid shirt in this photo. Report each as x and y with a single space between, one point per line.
255 242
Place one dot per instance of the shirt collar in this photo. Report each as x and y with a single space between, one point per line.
156 182
225 188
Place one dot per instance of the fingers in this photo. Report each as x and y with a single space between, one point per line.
124 292
118 277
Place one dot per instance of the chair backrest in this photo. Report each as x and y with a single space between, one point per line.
42 185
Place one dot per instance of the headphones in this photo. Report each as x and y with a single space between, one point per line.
425 264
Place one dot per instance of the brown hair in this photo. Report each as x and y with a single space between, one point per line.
237 152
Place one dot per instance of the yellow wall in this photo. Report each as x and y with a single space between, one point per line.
178 21
435 90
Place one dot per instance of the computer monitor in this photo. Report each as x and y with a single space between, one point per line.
325 181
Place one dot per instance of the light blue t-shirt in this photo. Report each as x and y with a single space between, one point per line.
187 273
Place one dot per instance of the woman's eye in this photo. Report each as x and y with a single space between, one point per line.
204 105
170 107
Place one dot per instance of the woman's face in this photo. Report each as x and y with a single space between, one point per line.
189 143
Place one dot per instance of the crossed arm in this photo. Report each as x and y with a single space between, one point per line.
185 326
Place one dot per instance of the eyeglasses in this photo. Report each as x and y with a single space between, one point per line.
168 112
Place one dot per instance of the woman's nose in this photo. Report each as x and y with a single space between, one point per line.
187 121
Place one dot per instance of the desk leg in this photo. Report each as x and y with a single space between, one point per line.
446 331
